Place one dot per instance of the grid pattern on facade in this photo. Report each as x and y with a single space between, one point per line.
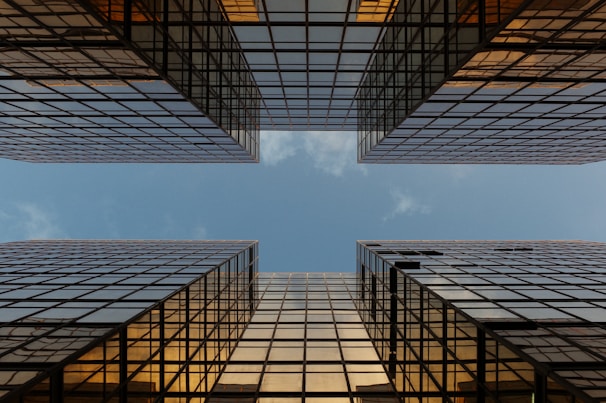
305 342
422 44
93 81
499 81
493 320
308 58
120 320
531 91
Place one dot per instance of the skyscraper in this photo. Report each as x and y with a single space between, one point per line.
487 321
121 321
116 81
172 321
448 321
487 82
305 343
505 81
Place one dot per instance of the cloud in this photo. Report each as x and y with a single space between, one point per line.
404 204
29 221
459 172
200 232
332 152
108 212
276 146
4 216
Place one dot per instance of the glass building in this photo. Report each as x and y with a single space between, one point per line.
177 321
124 81
305 343
421 81
194 321
489 81
487 321
121 321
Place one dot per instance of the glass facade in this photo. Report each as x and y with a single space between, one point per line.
423 43
487 321
121 321
194 321
308 58
115 81
501 81
421 81
177 321
305 343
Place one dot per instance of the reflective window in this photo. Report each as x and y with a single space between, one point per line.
111 338
323 351
515 312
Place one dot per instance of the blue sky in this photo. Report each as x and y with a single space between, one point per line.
307 202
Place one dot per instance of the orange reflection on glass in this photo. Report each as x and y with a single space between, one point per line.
95 375
496 11
240 10
113 10
376 10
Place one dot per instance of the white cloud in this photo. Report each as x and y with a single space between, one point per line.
200 232
332 152
276 146
4 216
404 204
33 222
108 212
459 172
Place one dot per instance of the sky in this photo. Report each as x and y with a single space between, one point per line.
307 202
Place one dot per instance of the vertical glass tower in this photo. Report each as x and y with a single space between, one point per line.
120 321
487 321
124 81
194 321
421 81
486 81
305 343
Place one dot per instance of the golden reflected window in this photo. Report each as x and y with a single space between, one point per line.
376 10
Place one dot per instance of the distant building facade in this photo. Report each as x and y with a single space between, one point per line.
487 321
305 343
